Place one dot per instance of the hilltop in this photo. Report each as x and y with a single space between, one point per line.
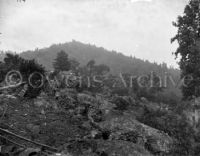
86 52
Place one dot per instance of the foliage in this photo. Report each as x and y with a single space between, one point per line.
93 69
93 75
188 38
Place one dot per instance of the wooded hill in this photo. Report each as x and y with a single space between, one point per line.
83 53
117 62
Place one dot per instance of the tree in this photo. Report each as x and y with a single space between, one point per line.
188 38
62 62
2 73
26 69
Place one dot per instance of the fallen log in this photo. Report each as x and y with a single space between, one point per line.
11 141
28 140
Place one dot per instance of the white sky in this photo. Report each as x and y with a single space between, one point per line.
141 28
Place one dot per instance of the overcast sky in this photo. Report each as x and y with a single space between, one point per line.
140 28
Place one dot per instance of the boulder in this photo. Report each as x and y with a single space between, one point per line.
124 127
86 99
106 106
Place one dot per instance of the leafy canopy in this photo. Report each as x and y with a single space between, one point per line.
188 38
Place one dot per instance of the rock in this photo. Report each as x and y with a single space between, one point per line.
81 147
121 148
106 107
157 141
35 129
95 115
106 148
30 151
86 99
60 154
130 100
143 99
68 92
8 150
39 102
66 102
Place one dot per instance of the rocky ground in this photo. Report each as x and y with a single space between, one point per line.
74 123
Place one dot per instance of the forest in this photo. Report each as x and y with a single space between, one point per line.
117 62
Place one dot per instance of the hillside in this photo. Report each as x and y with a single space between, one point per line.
71 121
85 52
117 62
